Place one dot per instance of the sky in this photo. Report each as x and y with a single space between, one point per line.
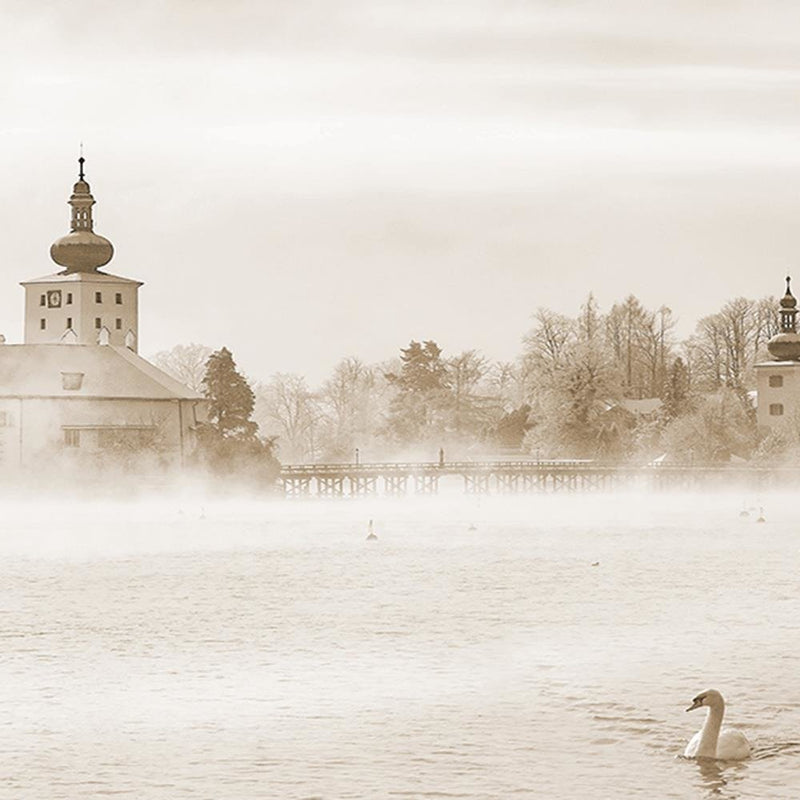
303 181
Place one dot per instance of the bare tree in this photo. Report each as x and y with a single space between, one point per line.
472 408
350 401
546 349
286 408
185 362
640 343
726 344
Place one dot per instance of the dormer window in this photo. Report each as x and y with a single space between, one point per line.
71 381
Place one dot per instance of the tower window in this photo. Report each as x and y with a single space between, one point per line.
98 297
776 409
119 324
42 324
69 298
98 323
118 298
43 300
776 381
69 322
72 438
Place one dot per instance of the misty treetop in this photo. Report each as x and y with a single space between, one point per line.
617 385
228 440
230 398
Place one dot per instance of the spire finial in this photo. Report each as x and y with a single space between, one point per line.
788 282
81 159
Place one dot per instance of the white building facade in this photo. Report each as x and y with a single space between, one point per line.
778 380
76 390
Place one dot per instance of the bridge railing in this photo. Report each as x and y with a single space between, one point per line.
521 466
424 466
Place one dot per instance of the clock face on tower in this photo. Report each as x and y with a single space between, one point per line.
54 298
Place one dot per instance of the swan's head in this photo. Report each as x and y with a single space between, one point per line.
710 697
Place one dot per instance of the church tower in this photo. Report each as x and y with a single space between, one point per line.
80 304
778 381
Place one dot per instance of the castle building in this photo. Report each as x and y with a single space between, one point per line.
76 387
778 380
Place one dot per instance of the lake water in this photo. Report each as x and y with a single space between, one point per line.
266 650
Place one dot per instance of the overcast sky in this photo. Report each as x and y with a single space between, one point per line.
303 181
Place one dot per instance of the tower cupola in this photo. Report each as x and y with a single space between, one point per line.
81 250
785 346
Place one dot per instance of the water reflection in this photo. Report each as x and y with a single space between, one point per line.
717 776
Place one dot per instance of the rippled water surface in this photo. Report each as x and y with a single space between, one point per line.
532 647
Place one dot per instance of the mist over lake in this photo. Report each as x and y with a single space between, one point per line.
538 646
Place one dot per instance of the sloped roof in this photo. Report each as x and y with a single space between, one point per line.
35 370
645 406
80 277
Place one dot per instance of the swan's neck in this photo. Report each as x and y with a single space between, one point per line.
707 747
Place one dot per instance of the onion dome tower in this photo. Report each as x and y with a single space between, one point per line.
785 346
80 304
81 250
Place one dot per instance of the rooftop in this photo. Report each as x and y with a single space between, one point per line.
36 370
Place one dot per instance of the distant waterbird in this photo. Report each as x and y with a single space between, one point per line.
712 740
371 536
761 515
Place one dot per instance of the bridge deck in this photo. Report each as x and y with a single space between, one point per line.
503 477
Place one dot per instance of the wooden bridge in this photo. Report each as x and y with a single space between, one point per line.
513 477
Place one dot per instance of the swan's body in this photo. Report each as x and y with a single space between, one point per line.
712 740
371 535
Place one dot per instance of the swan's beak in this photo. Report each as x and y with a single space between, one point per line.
696 703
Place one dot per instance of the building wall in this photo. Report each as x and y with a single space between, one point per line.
778 405
60 302
38 430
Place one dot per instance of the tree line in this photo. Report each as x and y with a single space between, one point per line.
615 385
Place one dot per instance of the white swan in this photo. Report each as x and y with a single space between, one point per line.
713 741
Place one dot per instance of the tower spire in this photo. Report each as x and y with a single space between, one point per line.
788 312
81 250
785 345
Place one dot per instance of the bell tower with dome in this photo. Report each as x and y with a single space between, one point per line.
80 304
778 381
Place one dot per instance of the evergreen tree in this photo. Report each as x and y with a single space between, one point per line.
677 399
418 408
229 443
510 429
230 398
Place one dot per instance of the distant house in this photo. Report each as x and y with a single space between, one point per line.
627 412
76 388
646 407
